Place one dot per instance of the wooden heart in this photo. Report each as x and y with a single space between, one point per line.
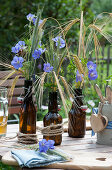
98 122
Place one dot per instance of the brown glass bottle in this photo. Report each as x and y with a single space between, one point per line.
27 117
77 117
53 117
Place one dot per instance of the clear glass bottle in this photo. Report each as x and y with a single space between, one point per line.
53 117
27 118
77 117
3 111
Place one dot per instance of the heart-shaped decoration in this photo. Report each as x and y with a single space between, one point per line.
98 122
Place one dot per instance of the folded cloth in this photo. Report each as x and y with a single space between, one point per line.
32 158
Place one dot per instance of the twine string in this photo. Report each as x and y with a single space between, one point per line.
27 138
52 130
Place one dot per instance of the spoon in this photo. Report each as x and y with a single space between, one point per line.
102 98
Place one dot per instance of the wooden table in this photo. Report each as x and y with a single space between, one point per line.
85 152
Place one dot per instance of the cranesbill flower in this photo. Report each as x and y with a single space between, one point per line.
30 17
59 41
16 49
91 66
36 54
43 146
51 144
47 68
21 44
92 74
42 50
17 62
79 76
35 19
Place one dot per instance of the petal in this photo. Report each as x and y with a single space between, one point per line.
21 59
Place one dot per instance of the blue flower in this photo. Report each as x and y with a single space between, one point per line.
92 74
21 44
30 17
91 66
36 54
42 50
79 76
16 49
59 41
47 68
35 19
51 144
43 146
17 62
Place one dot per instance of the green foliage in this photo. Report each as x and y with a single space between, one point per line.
12 18
99 6
6 167
41 113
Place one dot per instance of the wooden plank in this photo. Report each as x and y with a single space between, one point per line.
17 91
14 109
14 101
9 82
80 160
7 72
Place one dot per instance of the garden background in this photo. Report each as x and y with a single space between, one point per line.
12 28
12 21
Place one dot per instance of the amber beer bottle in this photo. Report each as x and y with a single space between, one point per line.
77 117
53 118
27 122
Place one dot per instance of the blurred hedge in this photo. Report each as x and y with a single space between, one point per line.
13 17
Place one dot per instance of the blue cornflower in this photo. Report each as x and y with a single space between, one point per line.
79 76
30 17
17 62
21 44
91 66
36 54
43 145
16 49
51 144
59 41
47 68
92 74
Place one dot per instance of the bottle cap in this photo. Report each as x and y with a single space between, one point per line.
84 107
20 100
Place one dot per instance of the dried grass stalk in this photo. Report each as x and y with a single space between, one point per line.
80 37
42 24
61 93
78 64
12 88
66 29
41 88
95 28
9 75
67 87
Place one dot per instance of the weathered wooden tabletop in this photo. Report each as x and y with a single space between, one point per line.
85 152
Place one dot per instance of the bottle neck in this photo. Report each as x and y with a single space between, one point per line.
28 89
78 97
53 106
3 92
